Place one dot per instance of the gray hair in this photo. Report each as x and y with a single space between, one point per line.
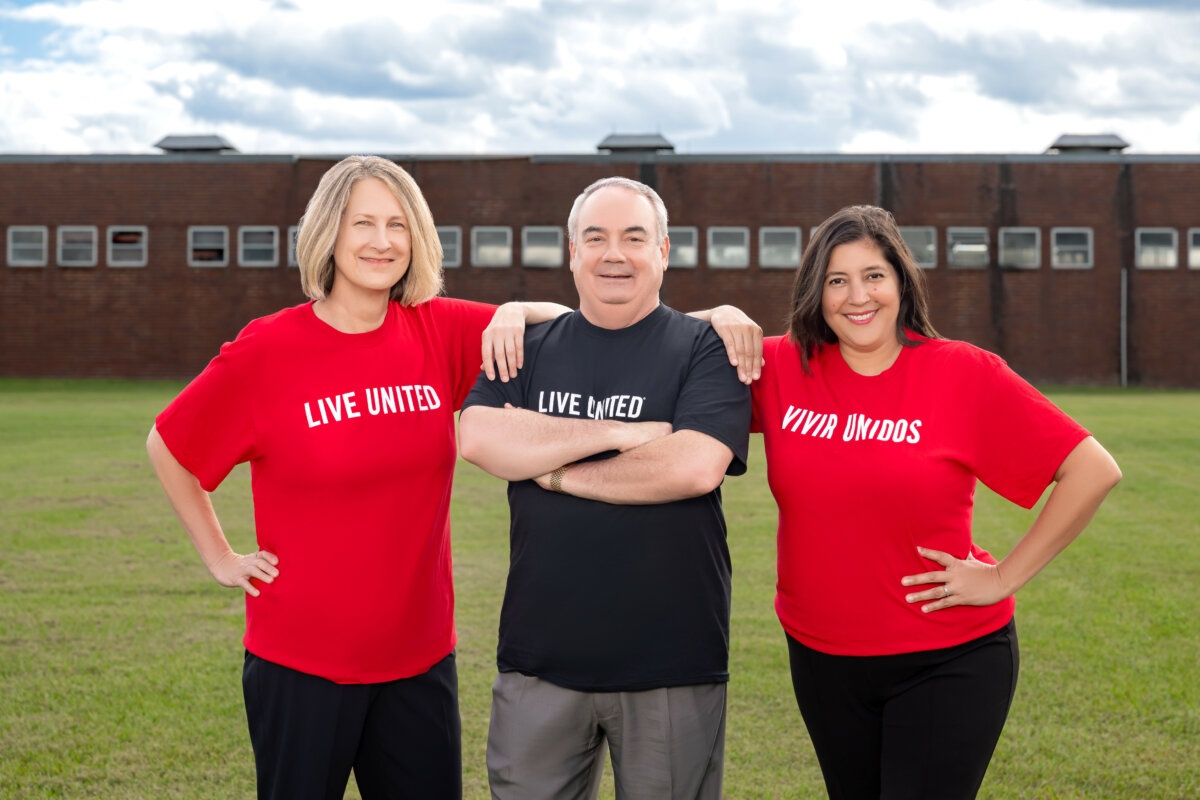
660 210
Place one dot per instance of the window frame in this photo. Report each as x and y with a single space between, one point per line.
763 248
1089 263
674 257
478 229
964 229
293 234
1002 250
60 235
191 246
456 230
933 240
1137 248
525 246
710 248
1193 248
109 245
241 246
44 230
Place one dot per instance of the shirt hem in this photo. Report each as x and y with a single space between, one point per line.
830 649
351 678
636 686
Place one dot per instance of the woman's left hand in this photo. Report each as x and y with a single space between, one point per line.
962 582
504 342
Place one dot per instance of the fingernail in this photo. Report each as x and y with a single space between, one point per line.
908 597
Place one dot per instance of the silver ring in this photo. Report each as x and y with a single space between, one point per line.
945 590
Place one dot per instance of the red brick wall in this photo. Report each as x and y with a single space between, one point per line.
168 319
1164 349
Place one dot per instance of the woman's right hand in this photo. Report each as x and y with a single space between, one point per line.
234 570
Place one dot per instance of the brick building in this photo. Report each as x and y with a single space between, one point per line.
1076 267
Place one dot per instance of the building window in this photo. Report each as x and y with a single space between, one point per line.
77 245
27 245
1021 248
729 248
491 247
1071 248
685 252
1194 248
967 247
208 246
922 241
128 245
779 248
293 235
258 246
541 246
1156 248
451 238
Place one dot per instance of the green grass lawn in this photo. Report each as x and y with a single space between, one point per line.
120 659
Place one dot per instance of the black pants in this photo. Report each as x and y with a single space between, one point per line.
914 725
403 738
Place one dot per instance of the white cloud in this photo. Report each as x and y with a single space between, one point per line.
557 75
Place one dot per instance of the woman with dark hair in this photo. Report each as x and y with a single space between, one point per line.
900 628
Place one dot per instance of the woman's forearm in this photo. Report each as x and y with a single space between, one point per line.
1082 482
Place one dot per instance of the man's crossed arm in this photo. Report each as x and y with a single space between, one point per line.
654 464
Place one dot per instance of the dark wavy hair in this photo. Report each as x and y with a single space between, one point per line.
807 325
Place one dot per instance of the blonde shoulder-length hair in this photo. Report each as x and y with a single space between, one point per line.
322 219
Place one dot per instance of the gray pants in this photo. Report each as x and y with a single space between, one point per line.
548 742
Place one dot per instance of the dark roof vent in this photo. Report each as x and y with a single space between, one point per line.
635 143
1088 143
201 143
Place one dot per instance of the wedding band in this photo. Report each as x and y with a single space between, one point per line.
945 590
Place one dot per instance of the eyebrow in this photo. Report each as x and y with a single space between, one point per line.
631 229
354 214
845 273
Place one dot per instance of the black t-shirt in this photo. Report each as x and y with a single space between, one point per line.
604 597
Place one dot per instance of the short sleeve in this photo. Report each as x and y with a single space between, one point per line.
714 402
762 387
1020 437
209 427
461 323
495 393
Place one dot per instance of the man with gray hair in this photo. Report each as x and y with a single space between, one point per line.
615 437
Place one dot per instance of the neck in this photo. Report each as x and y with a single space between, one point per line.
871 362
352 312
613 316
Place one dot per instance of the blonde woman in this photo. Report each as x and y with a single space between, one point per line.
344 408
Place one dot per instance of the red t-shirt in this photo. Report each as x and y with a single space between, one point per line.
350 439
865 469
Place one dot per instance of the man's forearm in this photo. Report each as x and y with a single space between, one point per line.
517 444
684 464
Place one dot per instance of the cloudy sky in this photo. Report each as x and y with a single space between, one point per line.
553 76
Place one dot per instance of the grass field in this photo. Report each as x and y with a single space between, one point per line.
120 659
